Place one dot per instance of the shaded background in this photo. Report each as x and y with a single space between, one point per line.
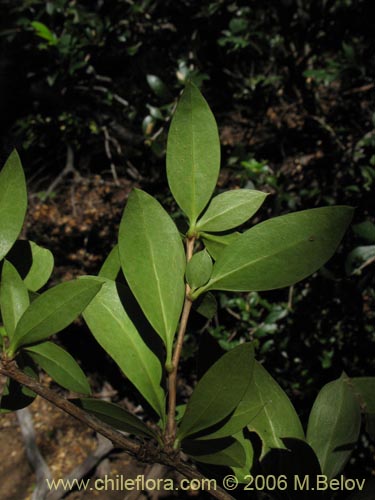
87 89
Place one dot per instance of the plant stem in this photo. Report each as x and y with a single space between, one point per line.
170 433
147 453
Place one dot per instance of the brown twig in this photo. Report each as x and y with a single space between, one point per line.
148 453
170 432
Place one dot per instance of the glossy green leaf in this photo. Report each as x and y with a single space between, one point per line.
219 390
53 311
13 202
215 244
334 425
193 153
60 366
41 268
281 251
14 297
114 415
226 452
230 209
115 332
199 269
16 396
276 418
111 266
153 261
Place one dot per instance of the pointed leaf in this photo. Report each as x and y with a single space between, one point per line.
53 311
13 202
230 209
334 426
193 153
281 251
111 266
277 417
14 297
153 260
226 452
115 332
219 391
114 415
41 268
199 269
60 366
215 244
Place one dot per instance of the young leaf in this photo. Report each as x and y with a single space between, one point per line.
276 418
215 244
41 268
226 452
115 332
13 202
153 260
111 266
198 269
14 297
230 209
193 153
281 251
53 311
334 425
60 366
114 415
219 391
206 305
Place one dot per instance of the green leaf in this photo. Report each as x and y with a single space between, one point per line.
230 209
34 263
41 268
365 230
199 269
242 473
115 332
42 31
111 266
193 153
206 305
245 413
334 425
277 417
219 390
215 244
53 311
358 257
13 202
159 88
114 415
60 366
226 452
14 297
16 396
281 251
153 261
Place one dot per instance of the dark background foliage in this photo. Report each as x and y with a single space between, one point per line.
87 91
